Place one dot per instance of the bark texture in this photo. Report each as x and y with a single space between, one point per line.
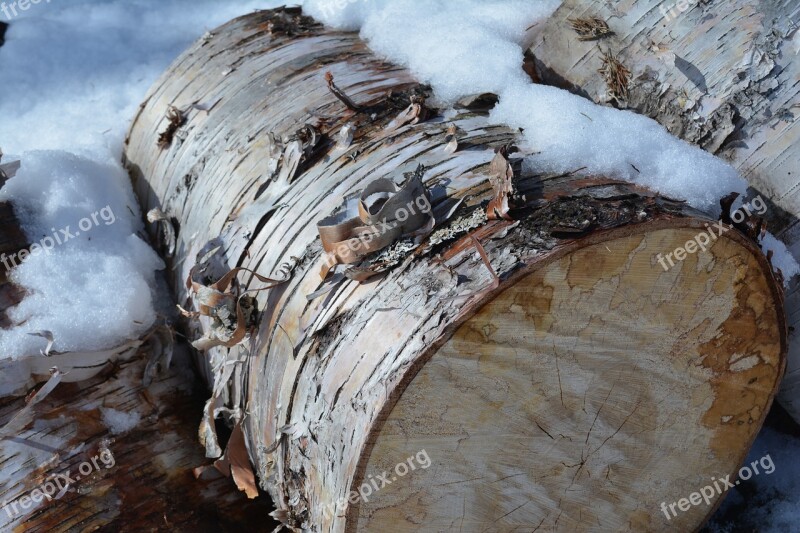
150 487
333 387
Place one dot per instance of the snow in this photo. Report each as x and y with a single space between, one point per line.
93 289
119 422
768 503
74 74
476 46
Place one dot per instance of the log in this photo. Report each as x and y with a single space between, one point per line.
552 371
142 475
738 99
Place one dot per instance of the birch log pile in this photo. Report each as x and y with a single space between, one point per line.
552 371
721 75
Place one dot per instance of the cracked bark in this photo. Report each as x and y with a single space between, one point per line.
585 336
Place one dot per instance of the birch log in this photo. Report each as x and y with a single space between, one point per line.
141 478
723 75
141 438
563 381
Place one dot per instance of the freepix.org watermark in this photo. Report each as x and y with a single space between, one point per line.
671 11
707 494
374 484
59 237
714 231
55 486
12 9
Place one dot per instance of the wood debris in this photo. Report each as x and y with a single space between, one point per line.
617 76
590 28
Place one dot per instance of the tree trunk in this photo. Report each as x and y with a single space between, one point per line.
548 366
721 75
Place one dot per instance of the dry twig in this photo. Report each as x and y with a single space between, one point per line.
616 75
590 28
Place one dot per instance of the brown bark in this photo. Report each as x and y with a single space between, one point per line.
150 487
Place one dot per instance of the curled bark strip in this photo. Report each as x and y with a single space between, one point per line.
414 113
501 177
381 214
452 139
217 302
207 433
47 335
22 418
338 93
237 457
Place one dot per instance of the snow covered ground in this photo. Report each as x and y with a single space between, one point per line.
74 73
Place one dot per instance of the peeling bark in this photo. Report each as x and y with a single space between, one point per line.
150 485
330 365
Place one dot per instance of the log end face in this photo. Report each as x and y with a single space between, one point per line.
586 395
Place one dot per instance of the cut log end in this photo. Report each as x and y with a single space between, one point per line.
585 395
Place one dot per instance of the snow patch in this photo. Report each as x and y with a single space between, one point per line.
90 288
119 422
74 74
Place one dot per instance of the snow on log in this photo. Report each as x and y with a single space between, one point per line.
528 352
720 76
32 336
